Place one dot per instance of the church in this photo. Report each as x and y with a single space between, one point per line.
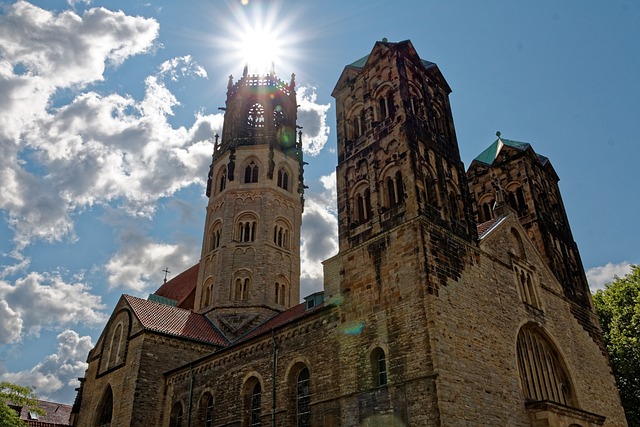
457 297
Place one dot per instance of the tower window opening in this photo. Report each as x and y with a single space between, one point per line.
246 231
251 173
255 117
222 180
283 179
384 111
395 191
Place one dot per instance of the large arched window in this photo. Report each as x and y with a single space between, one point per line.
105 409
303 399
206 410
542 373
242 289
177 415
379 367
256 403
115 347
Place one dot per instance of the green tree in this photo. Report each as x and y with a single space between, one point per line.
618 306
18 396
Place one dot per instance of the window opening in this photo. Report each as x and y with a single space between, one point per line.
255 118
256 397
251 173
303 407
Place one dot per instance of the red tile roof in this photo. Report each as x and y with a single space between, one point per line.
175 321
487 226
181 288
287 316
57 414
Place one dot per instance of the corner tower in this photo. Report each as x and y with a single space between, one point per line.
398 155
250 260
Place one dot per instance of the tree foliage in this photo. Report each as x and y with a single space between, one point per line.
619 309
19 396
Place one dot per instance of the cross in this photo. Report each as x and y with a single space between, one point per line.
166 271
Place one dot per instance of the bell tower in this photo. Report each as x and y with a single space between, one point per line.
398 155
250 260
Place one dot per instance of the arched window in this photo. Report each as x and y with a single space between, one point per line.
222 179
177 414
115 347
246 228
208 293
542 373
395 189
105 409
303 399
214 236
242 288
526 286
283 179
384 111
256 402
379 365
251 173
282 234
206 409
255 117
362 203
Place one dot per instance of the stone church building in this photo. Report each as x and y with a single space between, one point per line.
457 298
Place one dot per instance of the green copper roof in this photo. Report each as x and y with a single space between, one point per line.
491 153
360 62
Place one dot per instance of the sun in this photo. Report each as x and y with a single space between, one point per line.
261 36
260 48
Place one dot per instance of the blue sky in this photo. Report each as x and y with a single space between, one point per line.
108 108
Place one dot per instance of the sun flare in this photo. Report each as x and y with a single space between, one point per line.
260 48
261 36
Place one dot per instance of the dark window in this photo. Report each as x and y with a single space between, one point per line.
256 401
208 414
251 173
106 409
379 364
176 415
283 179
384 113
303 409
222 180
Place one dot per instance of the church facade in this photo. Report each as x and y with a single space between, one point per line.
457 298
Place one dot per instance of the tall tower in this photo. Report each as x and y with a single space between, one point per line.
529 184
250 260
398 156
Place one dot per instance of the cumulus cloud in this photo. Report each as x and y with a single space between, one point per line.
313 118
599 276
95 149
10 324
40 301
319 235
57 376
139 264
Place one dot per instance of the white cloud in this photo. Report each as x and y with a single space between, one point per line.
45 301
95 149
57 376
10 324
599 276
319 235
313 118
138 265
